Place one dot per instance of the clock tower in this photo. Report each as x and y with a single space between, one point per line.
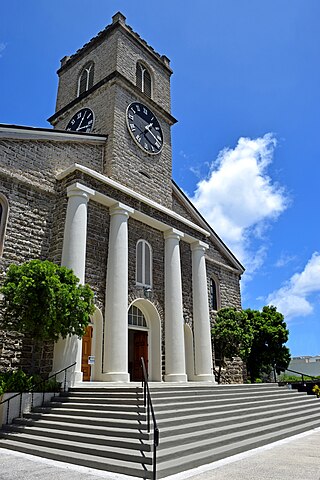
118 86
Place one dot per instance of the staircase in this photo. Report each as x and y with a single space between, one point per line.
105 427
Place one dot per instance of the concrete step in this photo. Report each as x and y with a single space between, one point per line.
105 428
103 400
193 442
83 428
96 438
90 404
172 418
175 400
82 419
138 469
204 427
193 460
105 451
91 413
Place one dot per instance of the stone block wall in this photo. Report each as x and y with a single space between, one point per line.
10 350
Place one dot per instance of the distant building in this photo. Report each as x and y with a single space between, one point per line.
306 364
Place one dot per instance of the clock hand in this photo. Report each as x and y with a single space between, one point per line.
84 126
147 127
79 127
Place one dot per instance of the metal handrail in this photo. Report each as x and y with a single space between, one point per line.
148 403
282 369
32 390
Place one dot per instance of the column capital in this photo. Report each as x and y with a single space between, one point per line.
173 233
199 245
79 190
120 209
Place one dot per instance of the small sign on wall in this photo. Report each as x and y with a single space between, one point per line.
91 360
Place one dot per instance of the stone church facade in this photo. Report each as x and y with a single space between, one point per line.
95 194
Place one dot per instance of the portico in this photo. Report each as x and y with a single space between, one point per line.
113 366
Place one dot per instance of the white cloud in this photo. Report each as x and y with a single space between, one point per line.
239 199
293 298
284 260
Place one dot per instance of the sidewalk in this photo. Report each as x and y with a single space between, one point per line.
295 458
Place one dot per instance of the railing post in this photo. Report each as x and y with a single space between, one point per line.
275 374
20 406
8 407
148 404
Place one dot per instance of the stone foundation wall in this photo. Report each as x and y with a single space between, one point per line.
235 371
18 351
10 350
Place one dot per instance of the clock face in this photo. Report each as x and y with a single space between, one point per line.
81 121
144 128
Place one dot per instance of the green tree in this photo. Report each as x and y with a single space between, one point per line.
269 336
232 336
45 301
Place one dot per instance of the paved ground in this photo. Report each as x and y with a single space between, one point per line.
297 458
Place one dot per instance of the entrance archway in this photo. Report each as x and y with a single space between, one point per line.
144 339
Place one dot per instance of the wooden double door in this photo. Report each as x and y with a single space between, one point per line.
139 348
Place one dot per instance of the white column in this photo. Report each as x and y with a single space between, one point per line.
201 319
116 313
69 350
174 323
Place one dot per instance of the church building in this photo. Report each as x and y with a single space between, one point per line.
95 193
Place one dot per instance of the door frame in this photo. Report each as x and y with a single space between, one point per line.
152 318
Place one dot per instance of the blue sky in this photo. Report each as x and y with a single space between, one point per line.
245 91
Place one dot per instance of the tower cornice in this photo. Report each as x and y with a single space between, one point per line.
115 76
118 23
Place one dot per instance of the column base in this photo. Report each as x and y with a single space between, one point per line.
176 377
114 377
204 378
76 377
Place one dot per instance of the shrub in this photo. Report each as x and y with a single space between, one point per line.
19 381
316 390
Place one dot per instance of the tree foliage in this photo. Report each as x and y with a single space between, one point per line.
257 337
270 335
45 301
232 336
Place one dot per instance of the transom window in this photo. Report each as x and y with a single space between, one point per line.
143 264
86 78
136 317
143 79
213 294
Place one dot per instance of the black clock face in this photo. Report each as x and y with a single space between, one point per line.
144 128
81 121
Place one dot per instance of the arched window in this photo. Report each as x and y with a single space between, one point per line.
143 79
143 264
213 294
136 317
4 210
85 81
